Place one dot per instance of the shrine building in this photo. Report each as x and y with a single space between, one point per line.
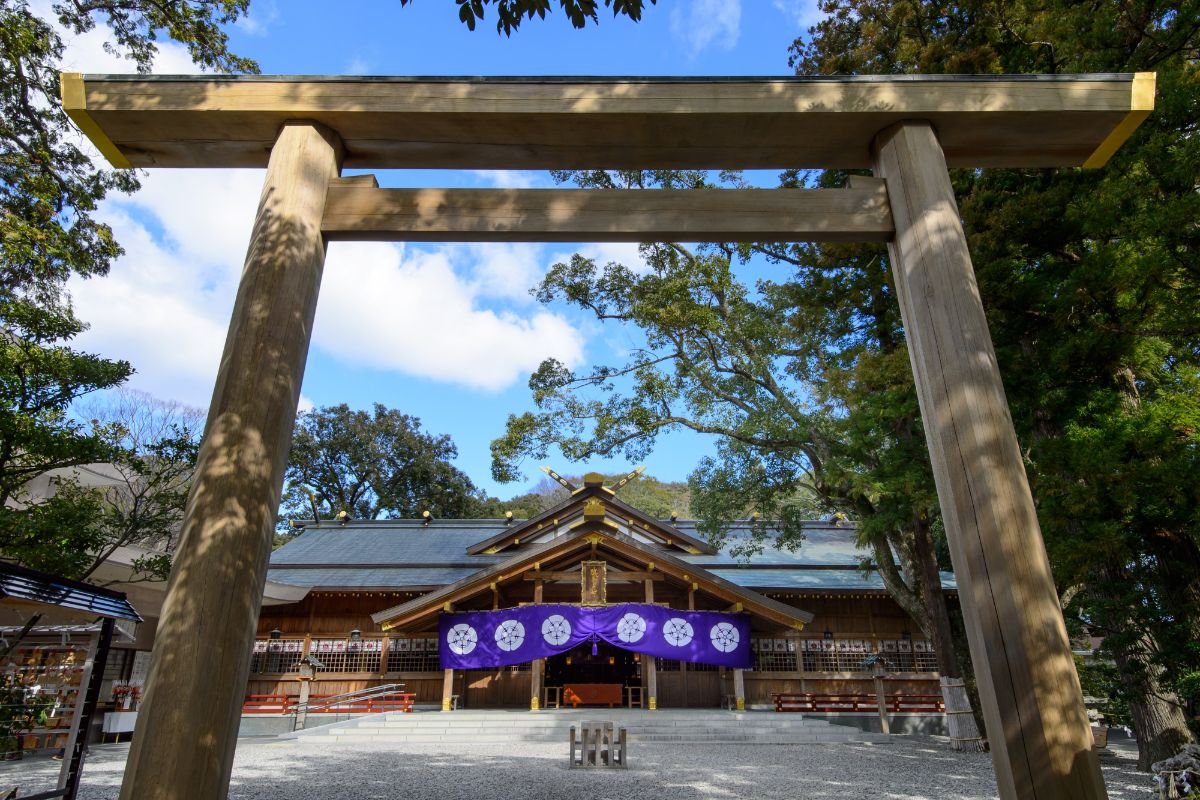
590 602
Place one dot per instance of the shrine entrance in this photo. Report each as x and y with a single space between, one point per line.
610 666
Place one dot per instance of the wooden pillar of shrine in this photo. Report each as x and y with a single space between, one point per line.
651 663
447 689
187 726
1028 687
538 667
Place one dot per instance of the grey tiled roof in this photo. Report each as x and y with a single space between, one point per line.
824 544
407 553
374 577
389 542
812 579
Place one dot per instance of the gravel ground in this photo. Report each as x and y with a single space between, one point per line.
903 769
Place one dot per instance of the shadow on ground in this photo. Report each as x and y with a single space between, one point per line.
903 769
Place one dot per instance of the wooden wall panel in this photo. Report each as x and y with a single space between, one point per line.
495 688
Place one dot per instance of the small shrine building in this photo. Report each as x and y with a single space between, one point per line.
463 612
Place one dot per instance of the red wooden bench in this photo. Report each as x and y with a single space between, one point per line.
831 703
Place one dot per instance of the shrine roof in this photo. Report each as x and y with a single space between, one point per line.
586 122
409 554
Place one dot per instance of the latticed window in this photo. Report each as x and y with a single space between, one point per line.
276 655
904 655
774 655
694 667
342 655
667 665
413 655
841 655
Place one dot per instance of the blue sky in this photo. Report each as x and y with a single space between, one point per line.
445 332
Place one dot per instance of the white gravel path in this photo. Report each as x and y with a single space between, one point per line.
903 769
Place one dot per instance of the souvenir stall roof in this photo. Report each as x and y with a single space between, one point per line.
27 586
608 122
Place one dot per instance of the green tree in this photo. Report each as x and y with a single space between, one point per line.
50 187
1091 282
49 192
510 13
659 499
372 465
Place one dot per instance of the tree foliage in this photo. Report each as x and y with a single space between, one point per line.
50 189
371 465
49 186
510 13
659 499
1090 280
75 513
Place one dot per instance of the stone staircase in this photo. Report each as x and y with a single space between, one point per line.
503 726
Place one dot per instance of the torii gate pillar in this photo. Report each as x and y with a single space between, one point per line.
200 665
1032 702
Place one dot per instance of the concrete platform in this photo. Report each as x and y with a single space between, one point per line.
501 726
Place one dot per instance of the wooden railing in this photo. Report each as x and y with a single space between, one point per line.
830 703
287 704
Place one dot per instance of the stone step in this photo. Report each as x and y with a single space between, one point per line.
500 727
502 740
481 724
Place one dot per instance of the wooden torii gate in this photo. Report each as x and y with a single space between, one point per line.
908 129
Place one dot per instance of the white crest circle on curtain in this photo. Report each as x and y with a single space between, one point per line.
631 628
462 639
678 631
724 637
510 635
556 629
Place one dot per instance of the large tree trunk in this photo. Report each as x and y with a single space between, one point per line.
1158 717
926 604
960 717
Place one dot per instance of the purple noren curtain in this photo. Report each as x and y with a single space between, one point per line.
475 639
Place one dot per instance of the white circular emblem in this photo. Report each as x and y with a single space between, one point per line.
631 628
725 637
677 631
510 634
556 629
462 638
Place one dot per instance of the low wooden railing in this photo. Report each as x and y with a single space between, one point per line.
830 703
287 703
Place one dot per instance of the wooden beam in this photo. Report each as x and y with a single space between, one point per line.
187 725
607 123
613 575
358 213
1028 688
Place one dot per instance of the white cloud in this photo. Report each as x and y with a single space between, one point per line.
357 66
449 313
86 53
385 307
506 271
165 304
510 178
458 313
260 18
805 13
305 404
701 23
